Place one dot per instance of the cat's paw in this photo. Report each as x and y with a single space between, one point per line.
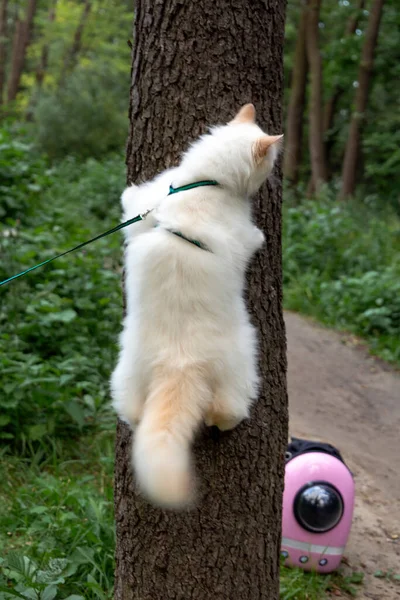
130 413
223 422
259 237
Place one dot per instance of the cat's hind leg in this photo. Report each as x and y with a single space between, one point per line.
127 398
237 383
127 390
229 407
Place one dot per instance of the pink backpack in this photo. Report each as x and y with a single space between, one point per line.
318 504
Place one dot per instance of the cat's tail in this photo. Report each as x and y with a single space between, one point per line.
161 450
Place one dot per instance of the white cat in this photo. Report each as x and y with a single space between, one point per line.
188 350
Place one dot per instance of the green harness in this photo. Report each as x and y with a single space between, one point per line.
184 188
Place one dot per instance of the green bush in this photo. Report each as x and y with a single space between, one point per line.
86 117
58 325
23 175
341 263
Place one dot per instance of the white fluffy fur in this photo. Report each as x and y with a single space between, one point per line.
188 350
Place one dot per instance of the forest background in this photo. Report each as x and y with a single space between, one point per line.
64 86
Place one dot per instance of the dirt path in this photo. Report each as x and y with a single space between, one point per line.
339 394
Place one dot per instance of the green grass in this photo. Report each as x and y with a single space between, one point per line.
300 585
57 522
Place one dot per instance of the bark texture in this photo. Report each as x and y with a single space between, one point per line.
196 63
22 38
352 152
3 34
316 141
295 114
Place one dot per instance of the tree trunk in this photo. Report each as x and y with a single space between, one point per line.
294 124
3 47
352 152
330 110
41 70
316 141
71 57
15 74
22 38
330 106
353 21
196 63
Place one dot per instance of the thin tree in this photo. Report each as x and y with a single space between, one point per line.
22 38
3 46
337 92
72 55
44 57
195 63
316 140
295 113
352 152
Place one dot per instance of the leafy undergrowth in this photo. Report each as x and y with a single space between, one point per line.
58 329
58 324
341 264
56 523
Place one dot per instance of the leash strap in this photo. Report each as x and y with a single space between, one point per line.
141 217
78 247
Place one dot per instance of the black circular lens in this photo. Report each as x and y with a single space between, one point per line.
318 507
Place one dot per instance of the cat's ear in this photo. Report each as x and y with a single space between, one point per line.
247 114
263 144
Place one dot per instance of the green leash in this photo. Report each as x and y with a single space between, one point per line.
78 247
113 230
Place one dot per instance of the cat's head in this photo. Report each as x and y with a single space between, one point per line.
264 149
238 155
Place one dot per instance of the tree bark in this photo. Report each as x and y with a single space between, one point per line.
3 47
71 57
331 104
294 124
22 38
352 152
194 64
44 58
316 141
